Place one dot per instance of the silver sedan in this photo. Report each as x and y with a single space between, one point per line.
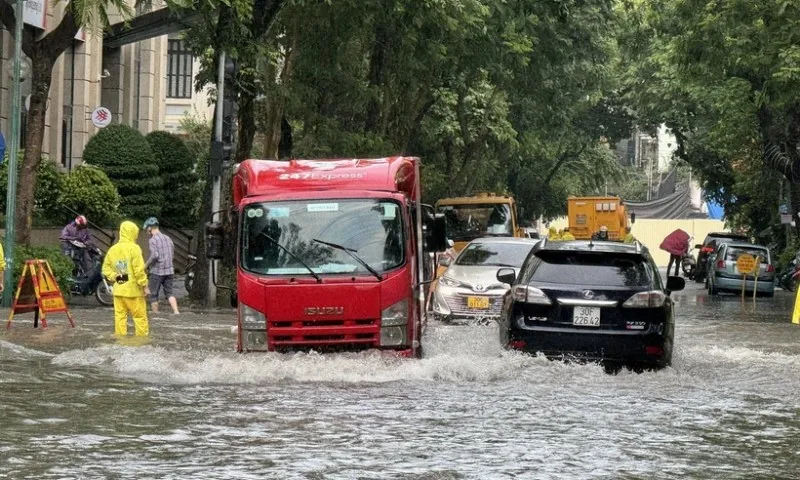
468 291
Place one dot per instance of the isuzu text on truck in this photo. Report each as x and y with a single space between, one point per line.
330 254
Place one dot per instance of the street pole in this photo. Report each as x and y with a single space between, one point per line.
11 196
217 179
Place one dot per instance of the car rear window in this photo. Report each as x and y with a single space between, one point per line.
717 240
500 254
733 253
591 269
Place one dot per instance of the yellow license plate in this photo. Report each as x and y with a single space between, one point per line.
478 302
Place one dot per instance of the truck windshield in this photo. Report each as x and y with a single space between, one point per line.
468 222
372 229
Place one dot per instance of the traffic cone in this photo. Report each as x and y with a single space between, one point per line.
796 313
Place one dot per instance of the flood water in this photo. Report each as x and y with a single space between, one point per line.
78 404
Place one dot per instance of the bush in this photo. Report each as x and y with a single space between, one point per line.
61 265
126 157
49 184
89 191
175 163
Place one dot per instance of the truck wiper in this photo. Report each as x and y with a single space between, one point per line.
352 253
313 274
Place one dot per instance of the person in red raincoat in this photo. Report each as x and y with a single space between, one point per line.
677 245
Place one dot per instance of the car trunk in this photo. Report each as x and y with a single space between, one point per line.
732 254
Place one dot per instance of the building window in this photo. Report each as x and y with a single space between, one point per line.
179 70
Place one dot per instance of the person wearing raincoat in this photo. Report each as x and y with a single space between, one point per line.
552 235
567 236
629 238
124 266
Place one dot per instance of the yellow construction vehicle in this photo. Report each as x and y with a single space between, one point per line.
587 214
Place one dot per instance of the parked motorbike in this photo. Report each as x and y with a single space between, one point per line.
787 277
85 283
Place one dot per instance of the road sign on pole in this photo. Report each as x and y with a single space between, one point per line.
13 153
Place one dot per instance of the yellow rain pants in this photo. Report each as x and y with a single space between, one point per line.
137 307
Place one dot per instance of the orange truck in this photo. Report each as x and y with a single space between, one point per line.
587 214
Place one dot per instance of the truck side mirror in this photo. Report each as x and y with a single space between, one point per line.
215 240
633 218
234 299
436 233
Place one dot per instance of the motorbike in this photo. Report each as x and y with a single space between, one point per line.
85 283
188 278
787 277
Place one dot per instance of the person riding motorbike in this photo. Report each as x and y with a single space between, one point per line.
76 243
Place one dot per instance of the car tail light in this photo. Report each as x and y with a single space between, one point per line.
721 264
517 344
527 294
654 350
707 249
770 268
653 299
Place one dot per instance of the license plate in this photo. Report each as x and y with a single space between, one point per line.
478 302
586 316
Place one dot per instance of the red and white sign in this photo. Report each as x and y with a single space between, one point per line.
35 13
101 117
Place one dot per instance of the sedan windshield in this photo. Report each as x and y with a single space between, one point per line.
468 222
500 254
309 234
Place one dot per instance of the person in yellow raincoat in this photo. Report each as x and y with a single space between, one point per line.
567 236
124 265
552 235
629 238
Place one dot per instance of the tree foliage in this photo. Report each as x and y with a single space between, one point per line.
126 157
49 183
176 168
89 191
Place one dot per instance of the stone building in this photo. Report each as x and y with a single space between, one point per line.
147 84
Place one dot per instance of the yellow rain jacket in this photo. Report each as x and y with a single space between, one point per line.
125 257
629 238
2 259
553 234
567 237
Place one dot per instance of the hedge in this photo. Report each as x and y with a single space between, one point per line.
49 184
89 191
176 164
126 157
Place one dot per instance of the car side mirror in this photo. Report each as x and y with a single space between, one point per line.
215 240
451 243
506 275
435 232
445 261
675 284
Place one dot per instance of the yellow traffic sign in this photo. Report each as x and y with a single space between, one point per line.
746 264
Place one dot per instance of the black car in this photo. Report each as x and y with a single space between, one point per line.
598 301
709 246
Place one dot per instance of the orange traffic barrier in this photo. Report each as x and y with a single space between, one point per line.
38 292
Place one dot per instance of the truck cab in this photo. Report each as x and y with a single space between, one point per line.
331 254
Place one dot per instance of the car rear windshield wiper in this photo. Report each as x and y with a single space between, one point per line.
352 253
278 244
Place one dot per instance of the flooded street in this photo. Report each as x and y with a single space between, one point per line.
79 404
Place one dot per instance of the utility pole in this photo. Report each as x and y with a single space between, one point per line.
11 197
216 174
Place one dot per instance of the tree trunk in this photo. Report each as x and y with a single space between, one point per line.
40 89
199 293
247 127
274 129
378 60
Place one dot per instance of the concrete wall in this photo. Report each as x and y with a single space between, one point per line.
651 232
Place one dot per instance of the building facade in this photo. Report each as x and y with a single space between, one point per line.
148 85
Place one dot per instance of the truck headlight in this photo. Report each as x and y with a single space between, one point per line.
397 314
394 322
254 328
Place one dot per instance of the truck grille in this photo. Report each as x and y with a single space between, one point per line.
323 333
458 305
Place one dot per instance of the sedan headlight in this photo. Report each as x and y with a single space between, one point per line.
449 282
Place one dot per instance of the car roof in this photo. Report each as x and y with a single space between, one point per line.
744 245
726 235
526 241
593 246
